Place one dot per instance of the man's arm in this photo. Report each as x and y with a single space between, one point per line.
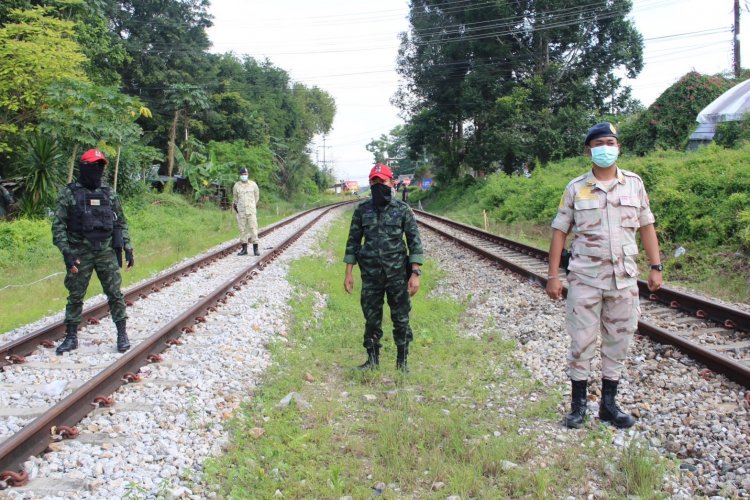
651 245
353 246
257 194
413 239
60 222
60 230
554 285
121 221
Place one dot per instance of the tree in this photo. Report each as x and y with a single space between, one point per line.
30 65
183 100
394 150
80 113
550 57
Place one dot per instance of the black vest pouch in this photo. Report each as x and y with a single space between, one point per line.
92 216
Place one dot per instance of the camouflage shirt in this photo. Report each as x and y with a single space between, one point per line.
383 233
604 218
64 239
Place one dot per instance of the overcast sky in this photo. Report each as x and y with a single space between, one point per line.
349 49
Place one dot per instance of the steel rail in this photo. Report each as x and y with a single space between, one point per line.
734 370
14 351
700 307
36 437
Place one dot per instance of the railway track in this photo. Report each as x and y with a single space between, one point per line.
709 332
93 373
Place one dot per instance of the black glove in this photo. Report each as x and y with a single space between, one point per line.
234 205
70 260
129 257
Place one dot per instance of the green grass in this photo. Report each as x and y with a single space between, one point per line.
429 434
165 228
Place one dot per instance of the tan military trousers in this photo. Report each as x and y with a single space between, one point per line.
248 228
590 310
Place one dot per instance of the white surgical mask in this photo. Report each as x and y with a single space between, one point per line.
243 178
604 156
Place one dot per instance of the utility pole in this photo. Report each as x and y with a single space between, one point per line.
324 147
737 66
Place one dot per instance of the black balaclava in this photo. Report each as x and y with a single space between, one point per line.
90 174
381 195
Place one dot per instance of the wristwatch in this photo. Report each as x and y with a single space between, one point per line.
657 267
418 272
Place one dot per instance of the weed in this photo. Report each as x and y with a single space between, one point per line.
463 422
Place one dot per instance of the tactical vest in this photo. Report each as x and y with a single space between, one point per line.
93 215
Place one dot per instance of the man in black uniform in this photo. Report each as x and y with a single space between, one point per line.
90 230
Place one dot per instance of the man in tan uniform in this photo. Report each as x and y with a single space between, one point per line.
603 208
246 194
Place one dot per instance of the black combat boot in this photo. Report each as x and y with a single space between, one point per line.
71 340
574 419
244 249
402 352
123 344
255 249
608 410
373 360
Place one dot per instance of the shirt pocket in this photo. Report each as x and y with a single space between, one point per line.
586 261
629 253
587 216
629 206
393 232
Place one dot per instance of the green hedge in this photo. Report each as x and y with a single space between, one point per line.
698 197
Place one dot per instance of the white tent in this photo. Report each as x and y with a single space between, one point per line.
730 106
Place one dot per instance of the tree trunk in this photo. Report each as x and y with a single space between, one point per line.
72 162
188 153
117 168
170 149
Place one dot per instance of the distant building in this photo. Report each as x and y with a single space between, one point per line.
345 187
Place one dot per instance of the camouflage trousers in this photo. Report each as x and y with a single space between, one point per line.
104 262
590 310
248 228
374 288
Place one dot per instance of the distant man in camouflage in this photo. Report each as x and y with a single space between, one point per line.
90 230
385 266
604 208
246 195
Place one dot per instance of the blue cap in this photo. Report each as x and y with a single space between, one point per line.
605 129
243 170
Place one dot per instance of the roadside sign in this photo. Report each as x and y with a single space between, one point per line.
426 183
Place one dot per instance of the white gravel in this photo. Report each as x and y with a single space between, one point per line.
153 441
702 424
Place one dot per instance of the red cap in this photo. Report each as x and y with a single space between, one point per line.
93 156
382 171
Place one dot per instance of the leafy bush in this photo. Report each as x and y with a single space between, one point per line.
699 197
670 120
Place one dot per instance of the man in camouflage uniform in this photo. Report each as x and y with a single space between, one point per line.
604 208
246 195
89 227
383 221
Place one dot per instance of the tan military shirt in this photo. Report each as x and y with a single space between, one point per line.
246 196
604 219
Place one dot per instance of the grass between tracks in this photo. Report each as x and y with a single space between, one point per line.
468 420
165 228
